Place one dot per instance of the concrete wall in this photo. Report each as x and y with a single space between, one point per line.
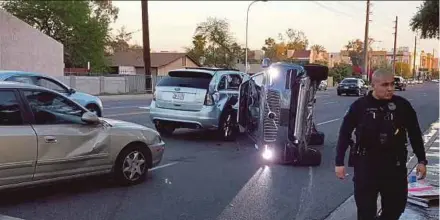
98 85
24 48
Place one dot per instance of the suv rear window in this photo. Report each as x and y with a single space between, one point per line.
186 79
349 81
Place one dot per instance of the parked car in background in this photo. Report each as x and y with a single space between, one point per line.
323 85
400 83
197 98
354 86
46 137
92 103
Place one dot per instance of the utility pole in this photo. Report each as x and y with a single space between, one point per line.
146 46
365 55
394 49
414 57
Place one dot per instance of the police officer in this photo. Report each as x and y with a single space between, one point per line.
381 121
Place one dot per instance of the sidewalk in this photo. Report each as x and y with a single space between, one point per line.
413 212
347 210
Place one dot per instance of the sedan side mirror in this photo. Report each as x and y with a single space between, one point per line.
71 91
90 118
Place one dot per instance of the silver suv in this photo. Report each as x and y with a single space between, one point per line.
197 98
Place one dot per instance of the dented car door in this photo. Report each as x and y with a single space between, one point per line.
66 145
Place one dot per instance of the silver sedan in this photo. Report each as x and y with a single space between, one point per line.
45 137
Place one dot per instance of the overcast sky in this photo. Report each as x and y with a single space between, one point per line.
328 23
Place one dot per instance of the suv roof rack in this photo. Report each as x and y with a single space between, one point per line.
212 68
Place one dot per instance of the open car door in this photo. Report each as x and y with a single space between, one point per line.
249 108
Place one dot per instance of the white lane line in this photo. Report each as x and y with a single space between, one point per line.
5 217
124 114
162 166
318 96
410 99
330 121
145 107
121 107
326 103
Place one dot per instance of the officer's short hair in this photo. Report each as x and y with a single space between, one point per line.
380 73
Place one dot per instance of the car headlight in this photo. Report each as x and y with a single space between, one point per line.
267 153
157 140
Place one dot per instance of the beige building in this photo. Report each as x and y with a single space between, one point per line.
24 48
337 58
307 55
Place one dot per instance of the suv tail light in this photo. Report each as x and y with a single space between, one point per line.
209 100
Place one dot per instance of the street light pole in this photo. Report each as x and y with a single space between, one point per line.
247 24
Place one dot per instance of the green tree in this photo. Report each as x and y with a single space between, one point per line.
219 46
120 41
270 48
340 71
291 40
198 47
81 26
403 69
296 40
426 20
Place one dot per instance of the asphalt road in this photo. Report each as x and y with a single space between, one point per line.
202 178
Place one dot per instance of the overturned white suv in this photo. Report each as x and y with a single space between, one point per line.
197 98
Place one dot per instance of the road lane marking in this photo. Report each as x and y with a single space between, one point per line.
5 217
326 103
119 107
162 166
318 96
125 114
330 121
145 107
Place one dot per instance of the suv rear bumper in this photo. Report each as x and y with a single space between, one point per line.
206 118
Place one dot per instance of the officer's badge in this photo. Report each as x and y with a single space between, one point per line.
392 106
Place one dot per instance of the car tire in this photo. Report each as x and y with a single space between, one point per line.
316 138
135 172
309 157
228 129
358 92
165 129
339 94
95 109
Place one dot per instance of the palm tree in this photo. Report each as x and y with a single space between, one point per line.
318 49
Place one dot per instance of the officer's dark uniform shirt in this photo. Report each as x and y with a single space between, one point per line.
380 128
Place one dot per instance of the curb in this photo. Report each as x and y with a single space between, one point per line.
347 210
144 96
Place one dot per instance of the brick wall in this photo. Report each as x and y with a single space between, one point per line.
24 48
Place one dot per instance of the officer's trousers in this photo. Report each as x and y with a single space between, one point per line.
373 176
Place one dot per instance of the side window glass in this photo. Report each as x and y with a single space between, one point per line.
258 79
10 113
46 83
235 82
21 79
222 83
50 108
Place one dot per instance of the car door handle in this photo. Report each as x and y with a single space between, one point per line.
50 139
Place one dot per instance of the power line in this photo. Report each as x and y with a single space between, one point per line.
332 9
